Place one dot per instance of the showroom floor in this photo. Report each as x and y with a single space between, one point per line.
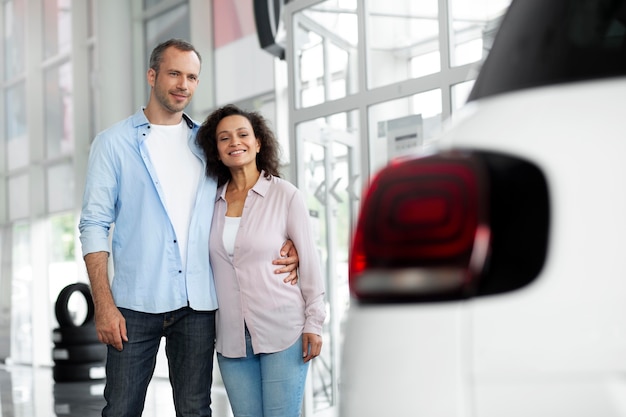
32 392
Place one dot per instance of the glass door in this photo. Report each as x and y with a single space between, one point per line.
329 177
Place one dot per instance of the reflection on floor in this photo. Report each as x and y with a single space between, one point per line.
32 392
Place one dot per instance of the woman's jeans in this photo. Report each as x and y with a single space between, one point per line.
267 384
189 346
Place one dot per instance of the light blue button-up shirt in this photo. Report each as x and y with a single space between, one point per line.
122 194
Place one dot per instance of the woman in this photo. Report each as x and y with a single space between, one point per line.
267 331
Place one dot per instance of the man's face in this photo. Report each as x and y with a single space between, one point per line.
175 82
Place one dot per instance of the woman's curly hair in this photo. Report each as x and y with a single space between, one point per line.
267 159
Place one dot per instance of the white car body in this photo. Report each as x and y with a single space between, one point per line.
554 347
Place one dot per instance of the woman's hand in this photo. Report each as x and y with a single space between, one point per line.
311 346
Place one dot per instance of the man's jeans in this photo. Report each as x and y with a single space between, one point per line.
267 384
189 346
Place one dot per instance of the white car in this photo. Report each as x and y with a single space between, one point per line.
488 277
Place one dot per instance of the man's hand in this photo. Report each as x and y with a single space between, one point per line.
290 261
111 326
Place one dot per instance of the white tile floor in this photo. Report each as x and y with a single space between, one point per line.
32 392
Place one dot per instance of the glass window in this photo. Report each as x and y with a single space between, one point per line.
15 105
19 201
312 73
94 93
403 126
326 40
62 266
174 23
59 129
149 3
459 94
57 27
21 295
425 64
60 183
91 18
473 26
14 38
402 40
17 143
59 111
62 234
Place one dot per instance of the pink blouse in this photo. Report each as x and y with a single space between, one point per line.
248 290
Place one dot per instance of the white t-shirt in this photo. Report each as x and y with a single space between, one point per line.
178 170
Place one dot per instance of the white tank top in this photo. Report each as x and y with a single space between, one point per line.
231 225
178 171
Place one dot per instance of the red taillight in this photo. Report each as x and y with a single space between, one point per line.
422 229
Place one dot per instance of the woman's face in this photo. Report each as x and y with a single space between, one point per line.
236 144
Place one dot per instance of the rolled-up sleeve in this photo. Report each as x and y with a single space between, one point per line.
99 199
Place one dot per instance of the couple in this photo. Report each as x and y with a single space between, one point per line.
180 194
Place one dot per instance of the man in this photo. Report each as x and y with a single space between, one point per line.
147 176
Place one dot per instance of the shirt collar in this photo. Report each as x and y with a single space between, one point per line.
139 119
261 187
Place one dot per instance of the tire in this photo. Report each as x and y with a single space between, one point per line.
73 372
60 308
80 335
93 352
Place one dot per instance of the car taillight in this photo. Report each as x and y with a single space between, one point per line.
423 230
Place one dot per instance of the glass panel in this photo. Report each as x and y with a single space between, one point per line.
403 126
62 267
19 201
17 143
149 3
94 93
459 94
174 23
339 60
62 235
425 64
60 188
325 41
473 26
14 38
311 73
5 297
91 16
331 183
16 111
59 111
21 301
402 40
57 27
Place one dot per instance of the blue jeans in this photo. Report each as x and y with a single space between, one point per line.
267 384
189 346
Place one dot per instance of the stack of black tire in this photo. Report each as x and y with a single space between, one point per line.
77 353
